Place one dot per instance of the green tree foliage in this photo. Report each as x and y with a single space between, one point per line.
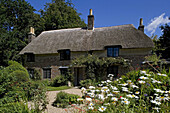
163 43
16 17
60 14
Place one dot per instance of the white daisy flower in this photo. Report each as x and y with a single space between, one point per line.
100 96
141 82
142 72
114 99
91 104
91 107
83 89
155 102
80 99
100 85
129 95
108 81
88 99
143 78
102 108
91 87
114 88
125 102
137 92
134 86
125 84
110 94
161 74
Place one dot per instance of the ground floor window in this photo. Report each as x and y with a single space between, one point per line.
63 70
31 73
46 73
112 70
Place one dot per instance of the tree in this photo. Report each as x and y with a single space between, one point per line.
164 42
60 14
16 17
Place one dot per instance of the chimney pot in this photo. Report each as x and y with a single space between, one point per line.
91 12
141 21
32 30
31 35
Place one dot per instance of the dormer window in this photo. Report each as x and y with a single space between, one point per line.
113 51
64 54
30 57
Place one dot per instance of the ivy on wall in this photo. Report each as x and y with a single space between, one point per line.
96 67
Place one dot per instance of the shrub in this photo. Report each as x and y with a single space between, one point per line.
64 99
86 83
17 71
37 75
17 107
15 86
59 81
21 76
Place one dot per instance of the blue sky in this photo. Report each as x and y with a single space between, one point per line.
120 12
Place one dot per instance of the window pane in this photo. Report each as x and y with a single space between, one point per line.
63 71
30 57
112 51
109 52
116 52
46 73
65 55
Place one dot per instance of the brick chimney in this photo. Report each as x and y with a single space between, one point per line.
90 21
31 35
141 26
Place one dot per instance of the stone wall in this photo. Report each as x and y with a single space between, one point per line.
136 56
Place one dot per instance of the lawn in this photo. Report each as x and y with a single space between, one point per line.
50 88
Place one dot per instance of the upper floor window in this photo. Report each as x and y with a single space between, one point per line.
46 73
30 57
112 51
64 54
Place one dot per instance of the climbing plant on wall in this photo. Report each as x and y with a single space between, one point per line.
96 67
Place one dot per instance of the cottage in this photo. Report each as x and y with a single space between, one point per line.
52 51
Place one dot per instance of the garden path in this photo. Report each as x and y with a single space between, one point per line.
51 95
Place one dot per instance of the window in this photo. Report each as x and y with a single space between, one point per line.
31 73
46 73
113 51
63 71
64 54
112 70
30 57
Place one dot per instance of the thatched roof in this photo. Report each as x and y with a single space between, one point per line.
78 39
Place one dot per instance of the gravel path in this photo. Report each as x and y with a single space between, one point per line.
51 95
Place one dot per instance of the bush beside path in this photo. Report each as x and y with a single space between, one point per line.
51 96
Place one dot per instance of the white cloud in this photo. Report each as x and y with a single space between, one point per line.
156 22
